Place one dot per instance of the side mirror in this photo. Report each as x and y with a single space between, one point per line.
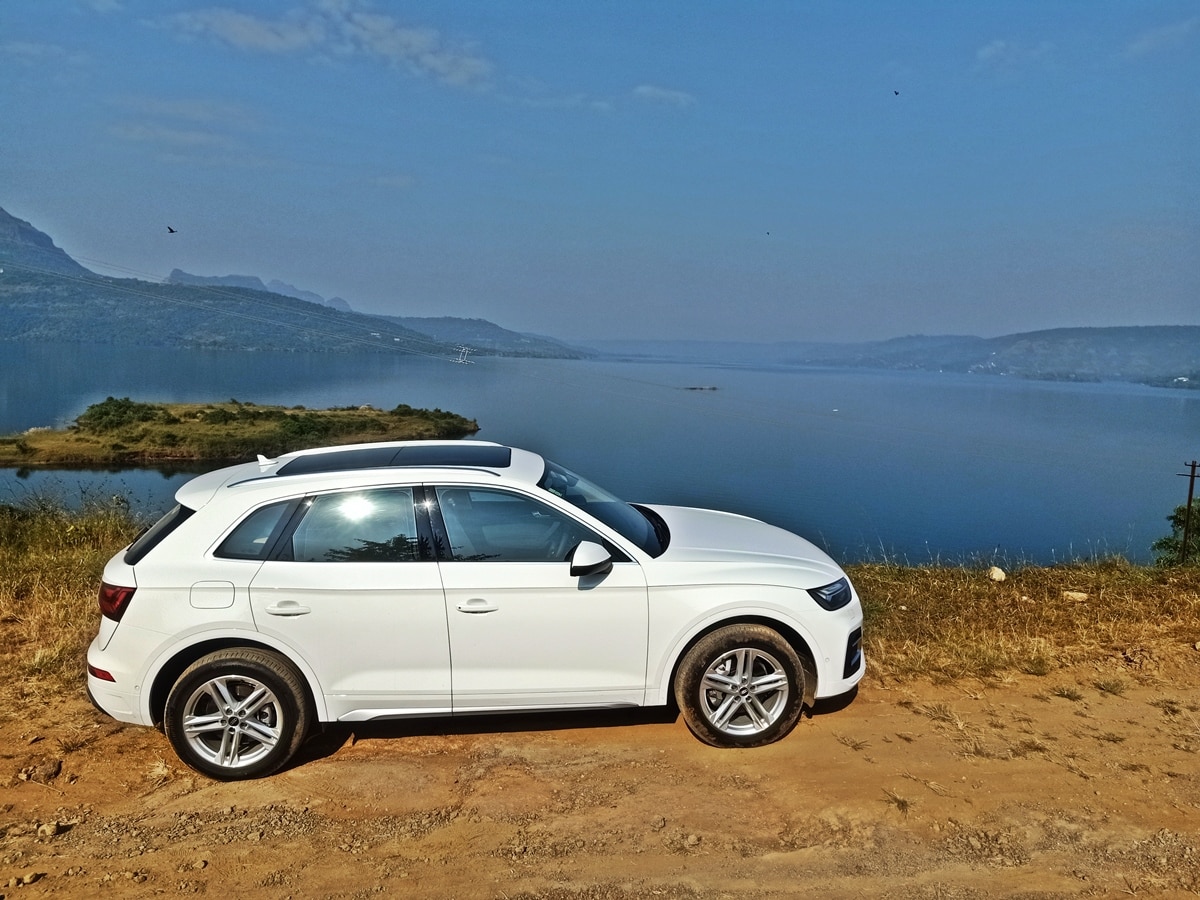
590 559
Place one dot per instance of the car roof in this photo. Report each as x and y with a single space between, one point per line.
356 465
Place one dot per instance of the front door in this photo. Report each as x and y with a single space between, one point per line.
524 632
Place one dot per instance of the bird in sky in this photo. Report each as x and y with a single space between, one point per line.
897 93
171 230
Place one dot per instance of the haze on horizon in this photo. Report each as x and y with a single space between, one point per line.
687 169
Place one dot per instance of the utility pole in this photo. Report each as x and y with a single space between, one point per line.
1187 510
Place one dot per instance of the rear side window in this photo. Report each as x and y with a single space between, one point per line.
378 525
153 536
256 534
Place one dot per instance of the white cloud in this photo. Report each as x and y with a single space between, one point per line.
163 135
1001 55
247 32
652 94
1166 37
206 112
342 28
30 52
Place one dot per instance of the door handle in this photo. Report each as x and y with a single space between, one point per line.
288 608
477 605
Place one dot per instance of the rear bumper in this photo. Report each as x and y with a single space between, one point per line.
118 698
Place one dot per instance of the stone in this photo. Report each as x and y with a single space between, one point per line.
995 573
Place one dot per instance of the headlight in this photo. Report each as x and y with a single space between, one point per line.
833 596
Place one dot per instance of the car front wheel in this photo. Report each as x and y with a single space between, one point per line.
238 713
740 686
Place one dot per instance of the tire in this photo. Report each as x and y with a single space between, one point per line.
238 713
740 686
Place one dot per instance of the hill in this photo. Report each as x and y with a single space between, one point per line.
47 296
254 283
22 244
1167 355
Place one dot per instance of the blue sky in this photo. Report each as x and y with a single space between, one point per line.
620 169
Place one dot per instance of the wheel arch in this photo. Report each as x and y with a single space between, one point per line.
175 666
789 634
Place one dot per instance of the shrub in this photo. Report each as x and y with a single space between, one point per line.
1168 551
113 414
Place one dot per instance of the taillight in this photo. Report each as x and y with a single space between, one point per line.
114 600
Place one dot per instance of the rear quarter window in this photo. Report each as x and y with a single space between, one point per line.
256 534
154 535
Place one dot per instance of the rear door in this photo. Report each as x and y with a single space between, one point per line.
355 591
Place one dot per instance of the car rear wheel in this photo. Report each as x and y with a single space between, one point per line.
238 713
740 686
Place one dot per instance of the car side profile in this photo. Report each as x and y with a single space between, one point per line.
408 579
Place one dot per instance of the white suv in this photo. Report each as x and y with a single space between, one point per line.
441 578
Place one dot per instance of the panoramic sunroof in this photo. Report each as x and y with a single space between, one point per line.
470 455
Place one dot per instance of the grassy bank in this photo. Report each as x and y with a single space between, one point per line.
127 432
945 622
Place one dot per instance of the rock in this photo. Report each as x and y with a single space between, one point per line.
43 773
1076 596
995 573
49 829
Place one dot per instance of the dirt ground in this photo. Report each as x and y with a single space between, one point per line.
1085 782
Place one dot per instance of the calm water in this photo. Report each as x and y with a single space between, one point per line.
921 466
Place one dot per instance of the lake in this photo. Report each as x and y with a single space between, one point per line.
916 466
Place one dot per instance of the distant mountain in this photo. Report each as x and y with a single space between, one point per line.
47 296
249 282
254 283
480 335
23 245
1167 355
288 290
49 307
488 337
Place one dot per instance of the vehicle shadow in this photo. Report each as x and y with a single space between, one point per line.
832 704
330 738
334 735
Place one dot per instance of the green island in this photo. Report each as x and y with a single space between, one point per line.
128 432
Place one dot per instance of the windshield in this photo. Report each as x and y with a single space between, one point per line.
631 522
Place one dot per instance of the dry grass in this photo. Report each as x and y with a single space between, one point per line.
954 622
50 565
941 622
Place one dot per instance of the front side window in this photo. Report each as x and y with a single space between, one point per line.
483 524
358 526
